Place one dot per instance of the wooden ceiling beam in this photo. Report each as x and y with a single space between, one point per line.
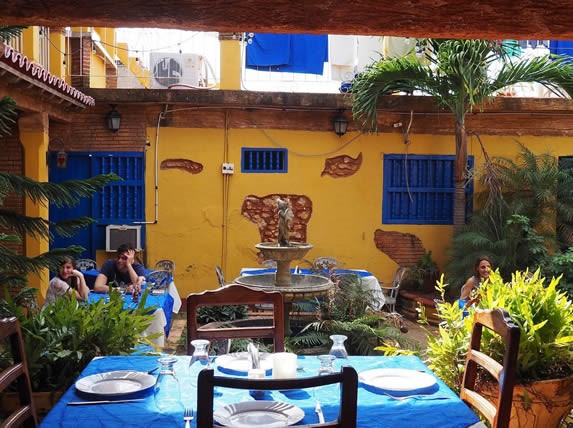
485 19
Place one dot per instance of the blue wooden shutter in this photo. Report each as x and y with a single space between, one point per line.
419 189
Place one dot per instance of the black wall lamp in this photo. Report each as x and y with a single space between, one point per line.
340 124
113 119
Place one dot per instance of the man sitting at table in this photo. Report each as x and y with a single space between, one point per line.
122 269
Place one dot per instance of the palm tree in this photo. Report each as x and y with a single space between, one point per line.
14 267
457 74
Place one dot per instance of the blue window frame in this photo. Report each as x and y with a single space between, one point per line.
120 202
264 160
419 189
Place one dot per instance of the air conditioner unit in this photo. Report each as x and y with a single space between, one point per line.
175 69
116 235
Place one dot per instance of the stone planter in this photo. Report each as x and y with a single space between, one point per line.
408 303
541 404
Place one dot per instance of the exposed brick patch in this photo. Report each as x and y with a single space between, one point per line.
342 166
262 211
403 248
182 164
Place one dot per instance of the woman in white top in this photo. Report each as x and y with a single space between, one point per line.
68 281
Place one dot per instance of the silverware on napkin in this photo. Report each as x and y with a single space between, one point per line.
81 403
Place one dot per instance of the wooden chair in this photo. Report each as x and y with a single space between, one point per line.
236 294
158 279
497 320
347 378
391 298
85 264
17 373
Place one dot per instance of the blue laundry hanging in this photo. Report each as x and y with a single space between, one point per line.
295 53
562 47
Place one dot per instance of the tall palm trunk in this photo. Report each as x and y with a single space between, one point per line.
461 163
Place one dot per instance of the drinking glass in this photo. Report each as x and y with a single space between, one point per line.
326 364
167 392
338 349
199 359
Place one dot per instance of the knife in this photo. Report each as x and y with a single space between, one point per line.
80 403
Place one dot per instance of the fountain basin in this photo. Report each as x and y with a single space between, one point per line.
283 255
301 286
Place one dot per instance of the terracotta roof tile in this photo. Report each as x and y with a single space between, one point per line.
21 62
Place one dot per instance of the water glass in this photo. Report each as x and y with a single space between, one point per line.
326 364
167 392
199 359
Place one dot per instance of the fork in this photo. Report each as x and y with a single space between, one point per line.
188 417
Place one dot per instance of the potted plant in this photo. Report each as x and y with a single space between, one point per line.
422 276
544 380
64 337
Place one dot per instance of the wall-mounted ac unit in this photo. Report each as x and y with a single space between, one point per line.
116 235
175 69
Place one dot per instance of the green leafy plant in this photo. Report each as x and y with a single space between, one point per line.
542 312
425 271
207 314
561 264
64 337
345 311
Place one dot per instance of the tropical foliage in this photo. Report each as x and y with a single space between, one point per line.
542 312
459 75
526 213
64 337
14 226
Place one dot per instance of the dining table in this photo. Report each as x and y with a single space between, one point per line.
437 407
368 280
166 303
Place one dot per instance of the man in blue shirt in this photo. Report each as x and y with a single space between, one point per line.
122 269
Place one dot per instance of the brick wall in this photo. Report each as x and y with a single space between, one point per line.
404 249
80 66
87 131
12 162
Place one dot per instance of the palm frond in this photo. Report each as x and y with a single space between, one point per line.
9 31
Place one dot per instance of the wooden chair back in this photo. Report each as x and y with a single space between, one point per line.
497 320
347 378
235 294
17 373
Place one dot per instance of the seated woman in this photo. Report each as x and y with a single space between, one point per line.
482 268
68 281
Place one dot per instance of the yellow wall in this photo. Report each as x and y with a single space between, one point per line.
97 71
346 211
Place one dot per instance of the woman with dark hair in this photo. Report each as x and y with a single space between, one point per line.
482 268
68 281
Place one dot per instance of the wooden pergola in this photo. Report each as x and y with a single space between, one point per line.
486 19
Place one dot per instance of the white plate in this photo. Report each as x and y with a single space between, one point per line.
248 414
397 379
115 383
239 363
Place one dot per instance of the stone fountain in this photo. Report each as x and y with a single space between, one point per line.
293 286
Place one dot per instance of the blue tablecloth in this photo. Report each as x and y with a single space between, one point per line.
164 301
374 410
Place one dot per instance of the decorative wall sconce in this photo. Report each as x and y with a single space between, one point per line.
61 159
113 119
340 124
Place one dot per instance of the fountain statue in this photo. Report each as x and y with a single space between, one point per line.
293 286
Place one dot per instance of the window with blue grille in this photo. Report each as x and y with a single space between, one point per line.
120 202
419 189
264 160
